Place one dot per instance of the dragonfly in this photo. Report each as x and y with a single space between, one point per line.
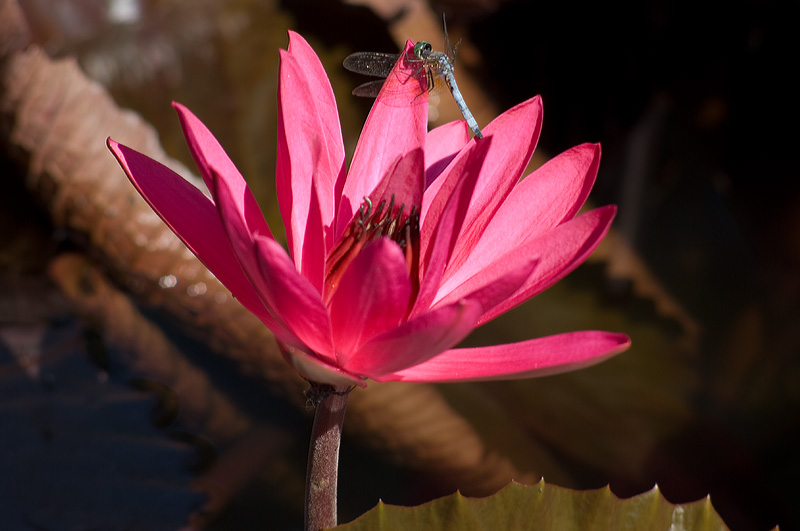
437 65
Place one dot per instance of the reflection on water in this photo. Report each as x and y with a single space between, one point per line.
168 281
197 289
220 59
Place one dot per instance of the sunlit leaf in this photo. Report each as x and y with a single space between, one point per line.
544 507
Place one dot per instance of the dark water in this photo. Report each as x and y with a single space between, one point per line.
692 107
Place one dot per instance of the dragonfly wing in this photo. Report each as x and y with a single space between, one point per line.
369 90
371 63
381 65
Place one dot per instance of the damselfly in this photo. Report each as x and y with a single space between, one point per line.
438 66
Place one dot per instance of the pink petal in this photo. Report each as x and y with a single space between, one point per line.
403 182
313 330
535 357
317 370
292 298
514 135
332 171
396 125
546 198
194 219
556 191
450 209
212 160
441 146
557 252
372 297
310 158
416 340
495 284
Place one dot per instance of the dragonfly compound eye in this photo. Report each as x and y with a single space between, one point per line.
422 48
435 64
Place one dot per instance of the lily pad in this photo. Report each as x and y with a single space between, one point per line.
546 507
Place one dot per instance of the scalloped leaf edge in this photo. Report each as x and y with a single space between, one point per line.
547 507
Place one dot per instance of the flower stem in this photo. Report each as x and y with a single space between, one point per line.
323 455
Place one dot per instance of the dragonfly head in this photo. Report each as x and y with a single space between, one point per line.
422 49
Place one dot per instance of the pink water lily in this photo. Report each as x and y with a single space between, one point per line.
392 263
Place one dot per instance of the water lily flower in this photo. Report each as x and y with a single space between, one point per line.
393 262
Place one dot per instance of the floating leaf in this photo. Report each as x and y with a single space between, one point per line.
615 422
438 431
61 135
544 507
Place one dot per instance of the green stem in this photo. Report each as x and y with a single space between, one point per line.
323 455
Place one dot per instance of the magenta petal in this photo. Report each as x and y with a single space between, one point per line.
556 191
212 160
416 340
548 197
558 252
441 146
292 298
403 182
527 359
496 283
313 330
204 147
396 125
321 113
317 370
310 157
372 297
449 209
194 219
514 135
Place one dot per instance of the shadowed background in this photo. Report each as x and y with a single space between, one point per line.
133 389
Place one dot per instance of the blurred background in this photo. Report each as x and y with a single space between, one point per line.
135 393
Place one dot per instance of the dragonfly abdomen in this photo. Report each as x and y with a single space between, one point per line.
435 64
450 79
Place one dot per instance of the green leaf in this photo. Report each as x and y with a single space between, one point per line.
544 507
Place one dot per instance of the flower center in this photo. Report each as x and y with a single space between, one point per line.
373 222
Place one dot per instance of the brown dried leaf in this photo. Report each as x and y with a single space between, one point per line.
147 351
57 120
248 446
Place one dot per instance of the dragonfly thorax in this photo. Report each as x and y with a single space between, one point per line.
434 64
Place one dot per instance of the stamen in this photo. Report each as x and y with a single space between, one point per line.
373 222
